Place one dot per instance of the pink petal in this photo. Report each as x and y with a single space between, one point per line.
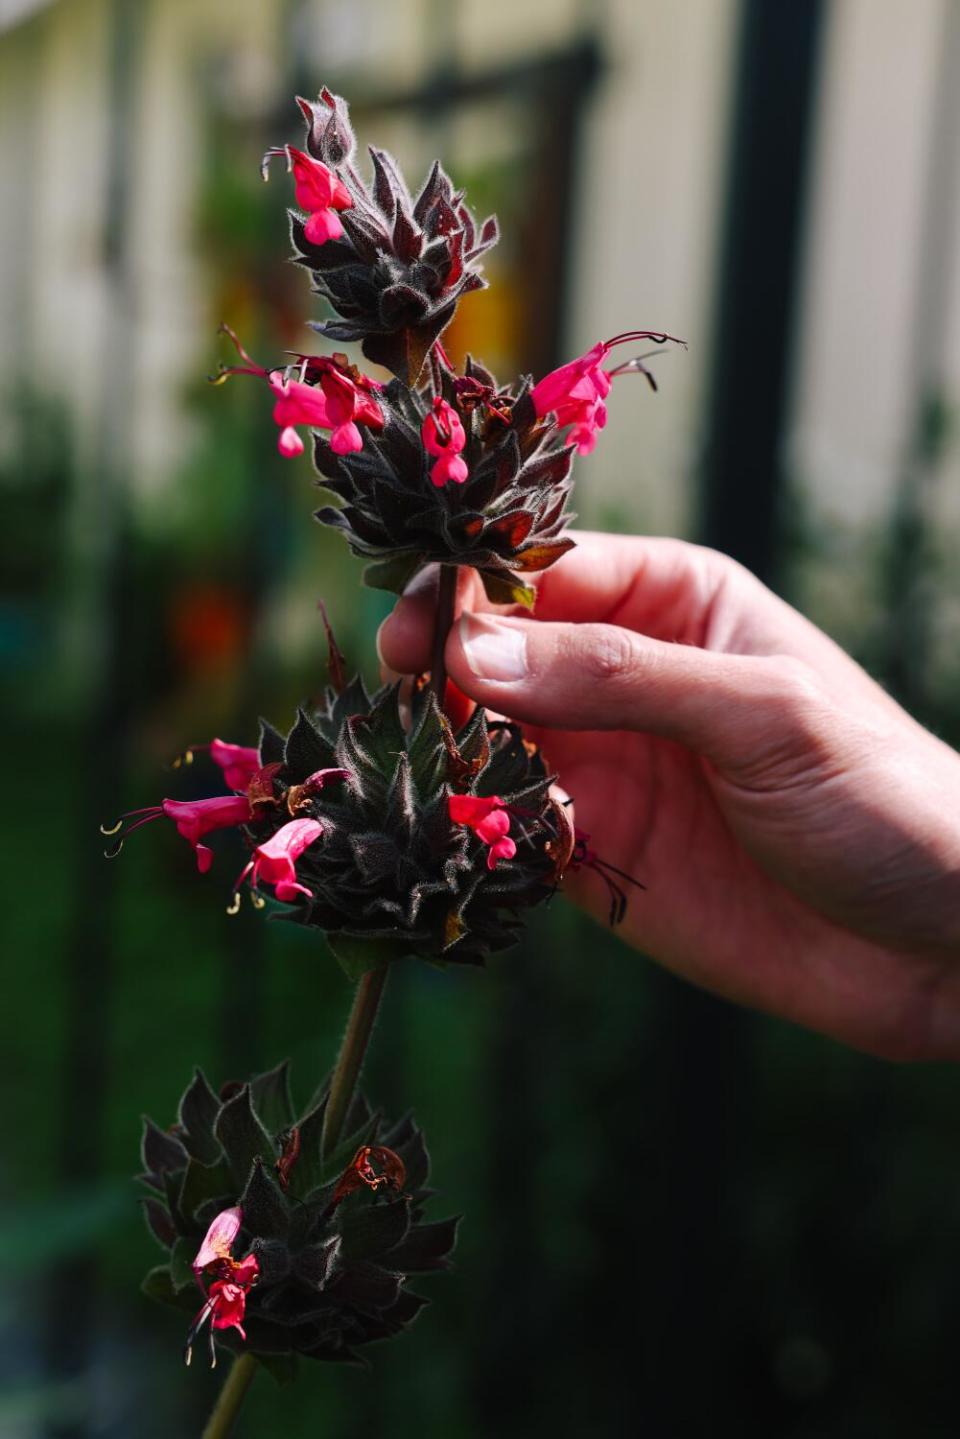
472 808
493 827
449 469
287 891
289 443
346 439
503 849
323 225
218 1240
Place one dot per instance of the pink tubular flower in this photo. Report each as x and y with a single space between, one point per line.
317 191
489 820
443 435
349 400
338 397
194 818
576 391
239 762
274 861
226 1298
297 404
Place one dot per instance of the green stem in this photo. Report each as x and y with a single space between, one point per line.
366 1001
446 609
232 1395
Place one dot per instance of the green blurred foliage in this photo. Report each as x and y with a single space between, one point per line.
676 1217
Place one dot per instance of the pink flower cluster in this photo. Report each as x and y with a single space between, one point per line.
490 822
338 403
443 436
274 860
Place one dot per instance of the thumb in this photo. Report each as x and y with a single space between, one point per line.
599 677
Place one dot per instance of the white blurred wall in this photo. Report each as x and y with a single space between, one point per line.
647 227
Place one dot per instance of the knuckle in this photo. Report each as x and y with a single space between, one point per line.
794 691
608 653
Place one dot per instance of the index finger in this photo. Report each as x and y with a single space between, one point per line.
661 587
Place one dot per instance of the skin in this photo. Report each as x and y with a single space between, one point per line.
798 833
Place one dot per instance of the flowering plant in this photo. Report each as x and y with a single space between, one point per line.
402 823
327 1236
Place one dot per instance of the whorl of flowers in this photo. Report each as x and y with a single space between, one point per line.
369 827
399 266
270 1247
432 466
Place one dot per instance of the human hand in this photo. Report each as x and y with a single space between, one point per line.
797 832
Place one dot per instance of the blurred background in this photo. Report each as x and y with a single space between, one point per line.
679 1216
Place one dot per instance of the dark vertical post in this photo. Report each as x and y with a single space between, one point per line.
756 279
693 1371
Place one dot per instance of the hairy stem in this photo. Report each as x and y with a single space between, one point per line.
446 608
231 1397
366 1001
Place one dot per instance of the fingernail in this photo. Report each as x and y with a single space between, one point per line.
494 651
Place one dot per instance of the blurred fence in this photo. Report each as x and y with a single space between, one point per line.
677 1215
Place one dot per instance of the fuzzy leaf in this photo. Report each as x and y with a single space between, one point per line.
426 1247
307 1173
369 1230
540 557
197 1114
181 1262
506 589
203 1182
272 1100
243 1137
271 744
161 1152
159 1223
393 574
265 1208
428 757
306 750
357 956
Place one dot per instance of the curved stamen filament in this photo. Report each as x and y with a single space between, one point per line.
658 337
637 367
234 906
149 815
249 367
196 1326
153 810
